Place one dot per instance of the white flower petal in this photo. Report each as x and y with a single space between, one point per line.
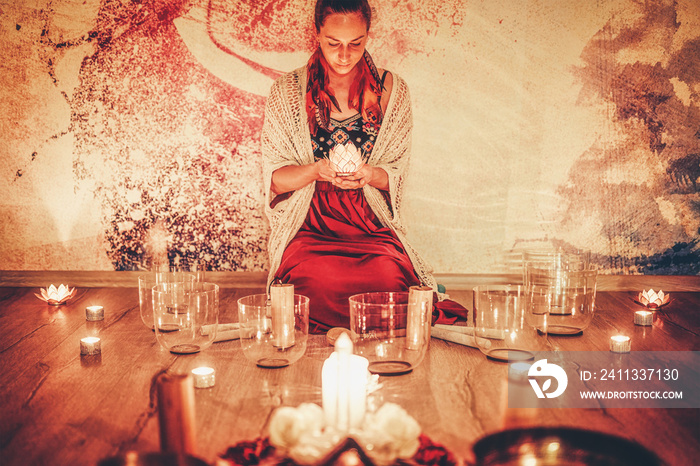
393 434
289 424
282 432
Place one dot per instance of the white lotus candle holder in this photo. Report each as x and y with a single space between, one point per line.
56 296
345 159
652 299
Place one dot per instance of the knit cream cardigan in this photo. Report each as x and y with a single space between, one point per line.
286 140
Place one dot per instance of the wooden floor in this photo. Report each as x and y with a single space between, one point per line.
57 408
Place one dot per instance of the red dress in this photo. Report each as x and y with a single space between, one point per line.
342 248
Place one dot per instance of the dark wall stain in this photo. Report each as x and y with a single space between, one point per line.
639 91
684 173
648 111
680 259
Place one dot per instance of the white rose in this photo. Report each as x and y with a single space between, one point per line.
288 425
312 416
312 447
392 433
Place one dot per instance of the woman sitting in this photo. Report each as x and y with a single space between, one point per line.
335 235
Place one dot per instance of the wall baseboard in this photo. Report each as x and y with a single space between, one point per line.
95 279
603 282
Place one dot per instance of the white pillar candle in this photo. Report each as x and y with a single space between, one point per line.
93 313
620 344
344 386
420 305
204 377
282 303
90 346
645 318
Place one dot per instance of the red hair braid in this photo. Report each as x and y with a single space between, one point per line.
363 96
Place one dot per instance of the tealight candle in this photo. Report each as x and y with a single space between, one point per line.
643 318
90 346
620 344
204 377
93 313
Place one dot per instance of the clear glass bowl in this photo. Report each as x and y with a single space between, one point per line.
272 344
146 283
393 335
505 326
185 315
566 297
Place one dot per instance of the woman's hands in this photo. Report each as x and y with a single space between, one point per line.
325 172
293 177
355 180
366 175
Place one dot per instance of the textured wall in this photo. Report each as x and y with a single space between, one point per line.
128 124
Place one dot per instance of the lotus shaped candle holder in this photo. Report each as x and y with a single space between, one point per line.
652 299
345 159
56 296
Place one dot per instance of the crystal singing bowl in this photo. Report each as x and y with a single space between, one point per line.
146 283
558 259
183 312
566 298
505 328
267 340
393 338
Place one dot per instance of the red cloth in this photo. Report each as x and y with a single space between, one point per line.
448 312
260 451
342 249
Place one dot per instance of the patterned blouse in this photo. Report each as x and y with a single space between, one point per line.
353 129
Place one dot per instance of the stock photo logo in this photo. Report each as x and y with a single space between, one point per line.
544 370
